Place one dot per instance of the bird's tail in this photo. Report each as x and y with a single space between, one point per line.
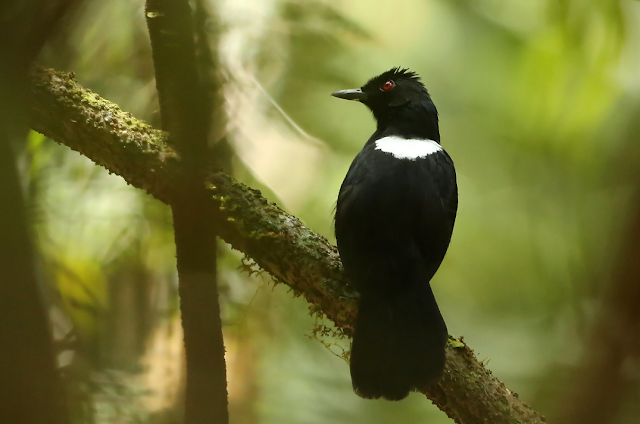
398 345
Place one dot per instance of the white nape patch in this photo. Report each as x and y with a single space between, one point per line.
407 148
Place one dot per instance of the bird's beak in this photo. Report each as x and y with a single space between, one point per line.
351 94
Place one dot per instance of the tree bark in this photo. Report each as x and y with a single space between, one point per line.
185 109
29 381
601 381
30 387
278 242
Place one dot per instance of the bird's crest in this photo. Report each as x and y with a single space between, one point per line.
392 74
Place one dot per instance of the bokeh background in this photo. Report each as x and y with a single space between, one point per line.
539 105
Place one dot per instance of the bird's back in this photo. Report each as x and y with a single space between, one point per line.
393 215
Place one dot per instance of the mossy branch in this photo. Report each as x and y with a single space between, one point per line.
278 242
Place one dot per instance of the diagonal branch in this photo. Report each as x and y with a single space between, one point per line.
277 241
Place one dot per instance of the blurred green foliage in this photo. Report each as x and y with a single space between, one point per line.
538 103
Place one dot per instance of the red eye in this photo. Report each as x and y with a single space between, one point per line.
388 85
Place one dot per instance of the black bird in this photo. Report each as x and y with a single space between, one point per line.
393 222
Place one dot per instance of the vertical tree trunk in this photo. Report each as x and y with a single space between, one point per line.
30 390
186 107
206 391
29 386
602 381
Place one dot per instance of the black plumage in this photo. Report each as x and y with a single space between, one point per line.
394 218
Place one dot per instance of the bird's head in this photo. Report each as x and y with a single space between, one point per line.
400 103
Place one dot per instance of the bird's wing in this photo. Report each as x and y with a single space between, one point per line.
447 185
350 188
438 211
